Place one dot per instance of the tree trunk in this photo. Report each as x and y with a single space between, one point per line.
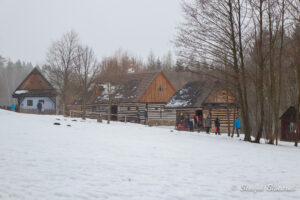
272 92
240 74
245 111
109 104
276 117
298 107
261 75
84 107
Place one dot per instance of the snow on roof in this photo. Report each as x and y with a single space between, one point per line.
21 91
129 87
191 94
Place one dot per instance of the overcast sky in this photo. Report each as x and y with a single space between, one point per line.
28 27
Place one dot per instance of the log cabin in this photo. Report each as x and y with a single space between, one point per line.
144 92
205 98
288 125
35 88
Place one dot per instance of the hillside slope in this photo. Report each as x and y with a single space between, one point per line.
89 160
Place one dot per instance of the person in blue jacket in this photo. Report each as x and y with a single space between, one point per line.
13 107
237 125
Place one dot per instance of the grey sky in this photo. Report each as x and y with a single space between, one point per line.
28 27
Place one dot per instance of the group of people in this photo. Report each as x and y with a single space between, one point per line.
208 125
40 107
195 122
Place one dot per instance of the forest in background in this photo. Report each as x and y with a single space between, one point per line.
11 75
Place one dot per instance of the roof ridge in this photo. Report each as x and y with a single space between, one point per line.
35 69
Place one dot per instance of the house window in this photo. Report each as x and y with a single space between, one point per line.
29 102
128 108
292 127
160 88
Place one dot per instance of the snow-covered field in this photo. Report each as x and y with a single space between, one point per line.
90 160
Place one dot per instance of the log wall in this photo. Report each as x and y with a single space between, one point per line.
156 111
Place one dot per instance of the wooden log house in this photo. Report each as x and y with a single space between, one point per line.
34 89
207 99
136 92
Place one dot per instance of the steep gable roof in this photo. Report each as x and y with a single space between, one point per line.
290 114
129 88
196 94
34 83
191 94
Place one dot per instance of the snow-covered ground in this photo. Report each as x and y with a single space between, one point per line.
90 160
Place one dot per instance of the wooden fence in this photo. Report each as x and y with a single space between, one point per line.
101 115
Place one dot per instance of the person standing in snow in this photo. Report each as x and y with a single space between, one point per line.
181 121
217 124
138 116
195 121
200 122
191 123
39 107
146 117
207 124
187 122
43 107
237 126
13 107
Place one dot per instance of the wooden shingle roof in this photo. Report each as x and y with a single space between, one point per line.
129 88
196 94
191 94
35 84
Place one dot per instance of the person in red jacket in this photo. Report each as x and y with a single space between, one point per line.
181 122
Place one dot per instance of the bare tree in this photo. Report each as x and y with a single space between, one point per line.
167 61
293 8
87 69
282 24
296 64
258 13
151 61
60 65
214 30
117 65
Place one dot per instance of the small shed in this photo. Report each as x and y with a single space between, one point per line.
205 98
34 89
288 125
